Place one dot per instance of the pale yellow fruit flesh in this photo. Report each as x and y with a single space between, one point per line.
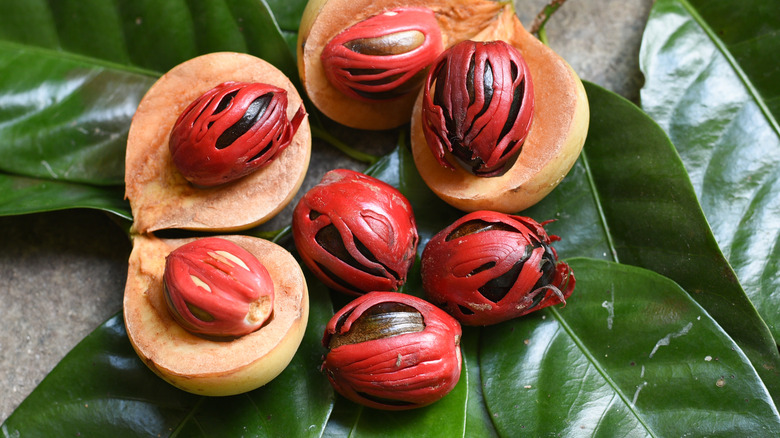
160 197
557 135
208 367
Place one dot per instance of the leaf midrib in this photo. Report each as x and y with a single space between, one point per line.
77 58
600 369
721 46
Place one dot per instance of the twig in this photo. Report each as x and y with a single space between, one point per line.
322 134
537 27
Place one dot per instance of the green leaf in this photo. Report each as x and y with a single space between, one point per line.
64 117
288 14
720 103
70 89
150 34
631 354
21 195
101 387
655 222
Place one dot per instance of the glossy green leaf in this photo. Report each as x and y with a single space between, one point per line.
631 354
720 105
653 218
71 87
101 387
150 34
288 14
64 117
22 195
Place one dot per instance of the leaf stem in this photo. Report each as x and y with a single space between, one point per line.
537 27
322 134
272 235
125 224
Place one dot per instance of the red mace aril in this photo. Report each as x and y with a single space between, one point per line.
383 56
392 351
488 267
356 233
478 102
217 289
230 131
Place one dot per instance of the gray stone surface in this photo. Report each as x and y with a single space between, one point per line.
63 273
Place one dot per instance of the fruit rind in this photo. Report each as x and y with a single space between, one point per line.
211 367
161 198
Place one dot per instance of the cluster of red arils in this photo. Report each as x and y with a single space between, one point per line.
391 350
358 234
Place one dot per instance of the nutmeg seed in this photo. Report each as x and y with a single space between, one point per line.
215 288
230 131
383 320
386 45
393 351
356 233
478 104
382 57
488 267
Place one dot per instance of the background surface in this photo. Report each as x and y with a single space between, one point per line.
63 273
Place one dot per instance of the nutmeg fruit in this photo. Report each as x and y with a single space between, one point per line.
327 28
162 198
213 367
216 289
356 233
392 351
488 267
557 133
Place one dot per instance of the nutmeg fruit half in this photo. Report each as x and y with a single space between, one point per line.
162 198
557 133
370 44
204 366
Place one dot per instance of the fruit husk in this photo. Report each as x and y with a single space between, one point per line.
213 367
160 197
324 19
559 127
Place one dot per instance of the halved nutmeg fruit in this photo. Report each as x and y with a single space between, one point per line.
513 159
227 344
363 61
221 142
